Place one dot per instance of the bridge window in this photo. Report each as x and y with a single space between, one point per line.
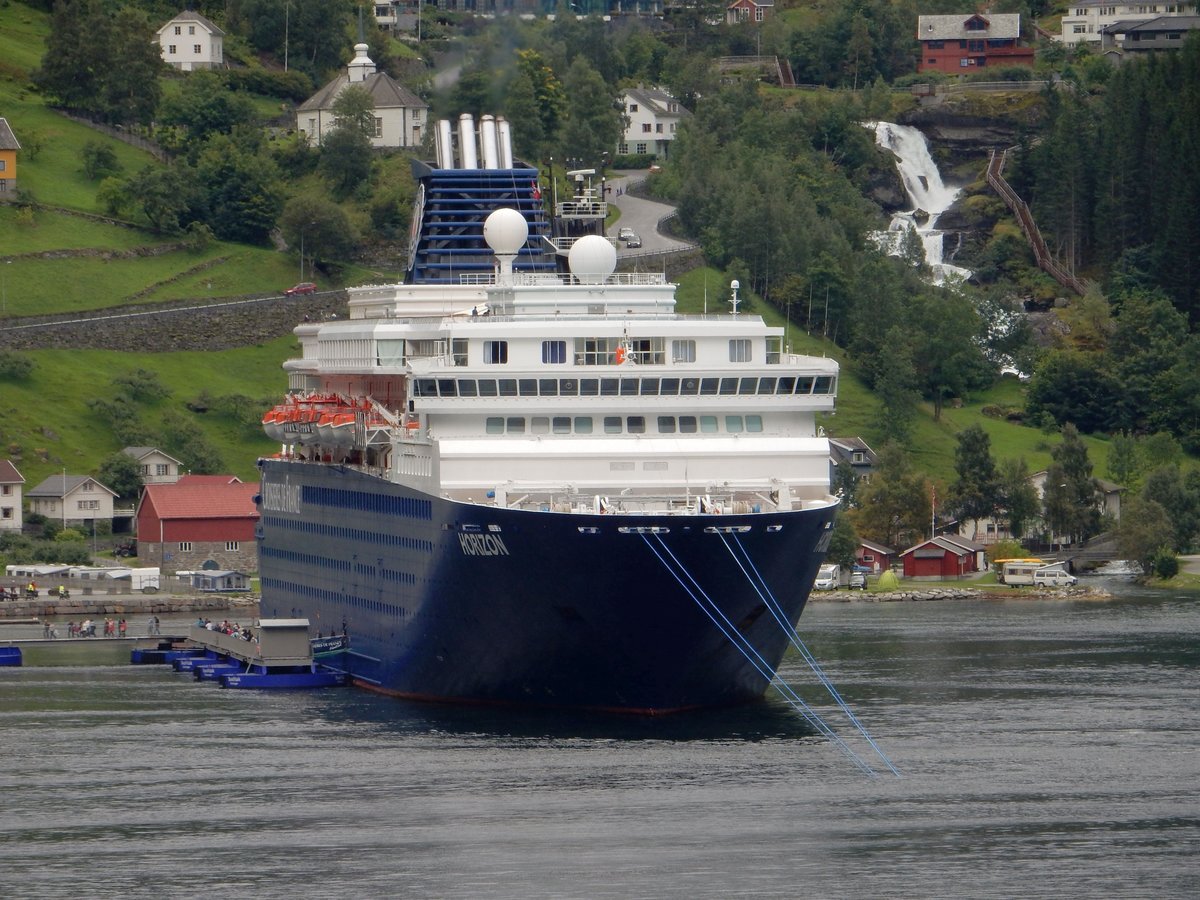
636 424
739 350
683 351
666 424
583 424
554 351
494 425
612 424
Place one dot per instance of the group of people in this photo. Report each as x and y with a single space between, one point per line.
232 629
87 628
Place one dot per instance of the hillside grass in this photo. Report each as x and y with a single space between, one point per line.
41 438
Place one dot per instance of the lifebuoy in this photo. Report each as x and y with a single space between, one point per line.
620 355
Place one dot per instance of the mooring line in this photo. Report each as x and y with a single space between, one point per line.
766 595
729 630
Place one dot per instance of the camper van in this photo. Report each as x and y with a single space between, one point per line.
829 577
1053 576
1019 572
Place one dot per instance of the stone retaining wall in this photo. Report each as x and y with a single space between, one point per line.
98 605
162 328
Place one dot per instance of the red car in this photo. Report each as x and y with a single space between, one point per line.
304 287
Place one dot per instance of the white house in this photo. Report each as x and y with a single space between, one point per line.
11 517
1086 19
154 466
72 499
190 41
400 115
989 531
652 117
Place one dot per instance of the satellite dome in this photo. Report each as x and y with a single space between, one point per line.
592 259
505 231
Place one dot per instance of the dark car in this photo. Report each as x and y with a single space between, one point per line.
633 241
304 287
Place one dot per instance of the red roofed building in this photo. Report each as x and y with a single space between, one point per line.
200 521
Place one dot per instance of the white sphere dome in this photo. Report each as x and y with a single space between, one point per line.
592 259
505 231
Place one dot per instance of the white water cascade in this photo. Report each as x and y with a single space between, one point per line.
929 197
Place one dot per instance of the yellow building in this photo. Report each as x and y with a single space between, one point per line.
8 159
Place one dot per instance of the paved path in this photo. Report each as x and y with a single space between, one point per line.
642 216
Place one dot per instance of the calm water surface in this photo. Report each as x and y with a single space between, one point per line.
1047 749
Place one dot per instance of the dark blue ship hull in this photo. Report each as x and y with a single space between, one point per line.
464 603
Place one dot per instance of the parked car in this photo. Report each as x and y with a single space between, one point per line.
633 241
858 580
625 233
304 287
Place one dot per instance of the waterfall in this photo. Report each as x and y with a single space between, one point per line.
928 195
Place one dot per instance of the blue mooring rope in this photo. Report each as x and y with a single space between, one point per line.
794 636
709 607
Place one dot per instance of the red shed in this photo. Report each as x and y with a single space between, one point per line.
947 556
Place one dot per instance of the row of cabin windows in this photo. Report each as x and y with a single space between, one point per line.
622 387
609 351
623 424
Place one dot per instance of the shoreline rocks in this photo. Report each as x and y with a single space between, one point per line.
915 595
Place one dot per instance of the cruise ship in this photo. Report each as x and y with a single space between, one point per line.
521 477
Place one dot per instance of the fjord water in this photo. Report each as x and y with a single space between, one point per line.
1048 748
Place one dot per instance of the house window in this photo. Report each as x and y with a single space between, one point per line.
935 45
171 49
623 149
191 29
639 149
179 29
858 456
162 468
195 48
739 350
658 129
645 128
184 547
633 107
6 490
88 486
87 504
759 14
554 351
495 352
232 546
378 127
6 513
3 164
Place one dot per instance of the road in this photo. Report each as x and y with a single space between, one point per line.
642 216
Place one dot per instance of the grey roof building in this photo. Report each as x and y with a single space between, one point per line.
400 115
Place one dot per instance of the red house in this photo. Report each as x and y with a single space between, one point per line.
960 44
942 557
199 522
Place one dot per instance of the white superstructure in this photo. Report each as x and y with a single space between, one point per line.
566 392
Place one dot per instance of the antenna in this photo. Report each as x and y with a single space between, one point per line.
733 287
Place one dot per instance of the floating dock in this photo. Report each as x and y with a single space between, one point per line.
280 655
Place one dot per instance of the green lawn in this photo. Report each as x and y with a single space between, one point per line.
70 434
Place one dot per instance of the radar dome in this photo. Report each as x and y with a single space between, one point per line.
505 231
592 259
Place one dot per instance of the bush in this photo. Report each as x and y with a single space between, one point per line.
1165 563
290 85
14 366
634 161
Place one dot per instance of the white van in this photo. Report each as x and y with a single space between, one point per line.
829 577
1054 578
